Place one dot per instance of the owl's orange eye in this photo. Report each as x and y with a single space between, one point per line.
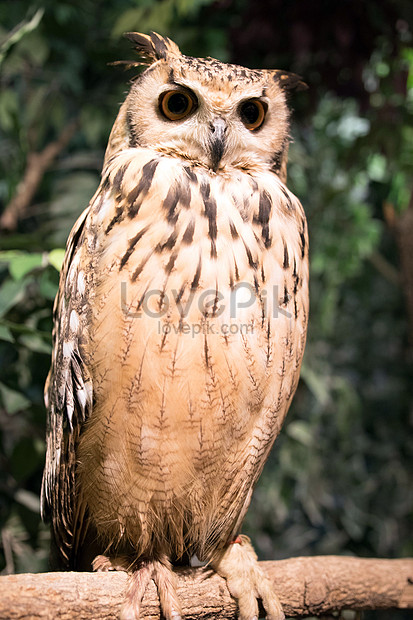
252 113
176 104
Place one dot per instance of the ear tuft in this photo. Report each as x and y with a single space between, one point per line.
152 47
289 81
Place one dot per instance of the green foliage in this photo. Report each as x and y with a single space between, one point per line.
338 478
28 286
159 17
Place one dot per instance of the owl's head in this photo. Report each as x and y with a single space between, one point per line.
205 111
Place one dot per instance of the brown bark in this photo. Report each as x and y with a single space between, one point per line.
37 164
306 586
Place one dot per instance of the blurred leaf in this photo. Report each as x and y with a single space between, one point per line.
69 197
48 284
23 264
21 328
10 293
5 333
9 107
36 343
408 55
28 499
13 401
130 21
377 167
316 383
300 431
8 255
19 32
56 258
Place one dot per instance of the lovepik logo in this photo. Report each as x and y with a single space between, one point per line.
210 303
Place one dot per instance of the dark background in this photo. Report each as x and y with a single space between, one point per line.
339 480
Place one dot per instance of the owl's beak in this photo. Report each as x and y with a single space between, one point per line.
217 141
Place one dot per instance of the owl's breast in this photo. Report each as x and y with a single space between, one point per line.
199 299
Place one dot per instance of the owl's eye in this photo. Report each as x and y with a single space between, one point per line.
252 113
176 104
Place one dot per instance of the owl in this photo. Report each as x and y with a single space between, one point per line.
179 330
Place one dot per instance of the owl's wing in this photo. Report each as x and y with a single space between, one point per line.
68 398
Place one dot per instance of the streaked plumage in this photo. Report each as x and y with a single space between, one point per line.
162 404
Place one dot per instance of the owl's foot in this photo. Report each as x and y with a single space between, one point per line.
161 572
103 563
246 581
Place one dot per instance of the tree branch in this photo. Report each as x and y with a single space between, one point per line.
306 586
37 164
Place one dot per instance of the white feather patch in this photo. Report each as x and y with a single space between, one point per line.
67 349
81 284
74 321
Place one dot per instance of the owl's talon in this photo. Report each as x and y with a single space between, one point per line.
246 581
165 579
104 563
